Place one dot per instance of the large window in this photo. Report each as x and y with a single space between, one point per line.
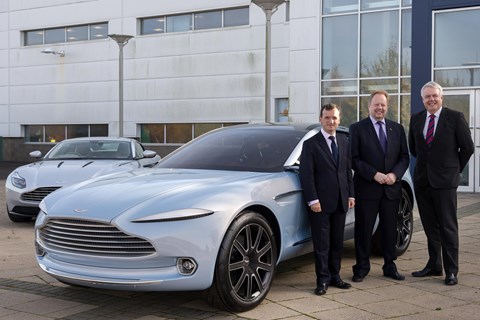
379 46
195 21
66 34
457 48
340 40
176 133
366 46
56 133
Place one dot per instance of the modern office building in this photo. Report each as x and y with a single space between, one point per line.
192 66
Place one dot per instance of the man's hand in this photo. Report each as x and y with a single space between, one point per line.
380 178
351 203
316 207
391 178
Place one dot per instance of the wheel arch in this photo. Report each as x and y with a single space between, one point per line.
272 221
219 294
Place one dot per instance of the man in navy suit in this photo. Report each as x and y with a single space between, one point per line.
441 141
379 159
326 178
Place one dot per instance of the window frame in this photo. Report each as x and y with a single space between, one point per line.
43 129
193 24
90 36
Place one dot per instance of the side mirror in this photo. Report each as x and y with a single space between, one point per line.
35 154
149 154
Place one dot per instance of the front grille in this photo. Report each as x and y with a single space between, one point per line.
37 195
92 238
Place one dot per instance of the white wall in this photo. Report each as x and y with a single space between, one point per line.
304 60
4 63
200 76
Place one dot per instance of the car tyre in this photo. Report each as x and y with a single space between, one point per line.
245 265
404 227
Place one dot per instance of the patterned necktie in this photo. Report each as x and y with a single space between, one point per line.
334 149
382 137
430 129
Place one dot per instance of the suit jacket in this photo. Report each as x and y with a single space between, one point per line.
441 163
368 158
321 177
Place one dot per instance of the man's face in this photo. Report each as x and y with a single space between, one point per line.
330 119
378 107
432 99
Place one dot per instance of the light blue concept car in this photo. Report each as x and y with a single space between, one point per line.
218 214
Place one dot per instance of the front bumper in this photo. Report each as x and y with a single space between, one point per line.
146 279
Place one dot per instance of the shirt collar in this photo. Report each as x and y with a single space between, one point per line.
326 134
374 121
437 114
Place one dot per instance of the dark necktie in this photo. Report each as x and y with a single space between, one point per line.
430 129
382 137
334 149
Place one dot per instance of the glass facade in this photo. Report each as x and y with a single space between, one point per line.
366 46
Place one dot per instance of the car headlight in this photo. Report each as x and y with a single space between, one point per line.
18 181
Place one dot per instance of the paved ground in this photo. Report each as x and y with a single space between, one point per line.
28 293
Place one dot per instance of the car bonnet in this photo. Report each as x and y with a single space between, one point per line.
148 191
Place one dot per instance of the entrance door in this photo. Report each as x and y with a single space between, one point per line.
468 102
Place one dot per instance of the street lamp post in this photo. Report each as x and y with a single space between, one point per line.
268 7
121 40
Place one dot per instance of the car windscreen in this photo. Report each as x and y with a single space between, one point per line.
237 149
108 149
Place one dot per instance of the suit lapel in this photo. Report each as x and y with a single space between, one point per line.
441 124
420 125
323 144
373 134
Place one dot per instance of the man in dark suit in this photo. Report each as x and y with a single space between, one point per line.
326 178
440 139
379 159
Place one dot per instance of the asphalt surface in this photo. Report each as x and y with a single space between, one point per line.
26 292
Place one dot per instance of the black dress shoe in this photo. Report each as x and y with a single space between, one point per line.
357 277
339 283
451 279
394 275
321 289
426 272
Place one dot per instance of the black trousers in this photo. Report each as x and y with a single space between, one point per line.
366 211
327 235
438 213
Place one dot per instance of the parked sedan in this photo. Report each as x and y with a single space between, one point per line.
218 214
70 161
